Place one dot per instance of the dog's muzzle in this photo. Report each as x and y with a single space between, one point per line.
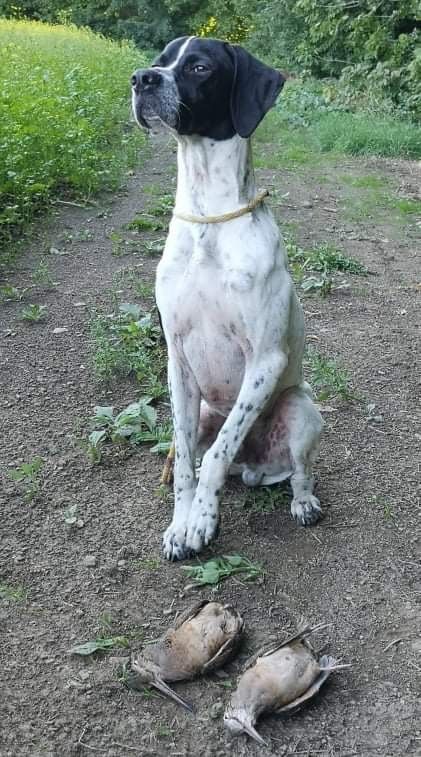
145 79
154 95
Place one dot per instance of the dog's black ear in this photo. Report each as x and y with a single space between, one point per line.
255 89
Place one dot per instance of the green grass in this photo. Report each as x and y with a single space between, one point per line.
42 277
376 204
145 224
27 476
12 593
278 145
365 134
304 131
265 499
328 377
365 182
63 110
10 293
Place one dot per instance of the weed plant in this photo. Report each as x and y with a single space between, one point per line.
128 341
328 377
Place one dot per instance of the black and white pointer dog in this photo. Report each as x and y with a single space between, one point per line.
232 320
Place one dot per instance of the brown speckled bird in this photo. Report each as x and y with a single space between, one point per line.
281 678
201 640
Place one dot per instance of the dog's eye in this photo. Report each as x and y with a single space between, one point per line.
199 69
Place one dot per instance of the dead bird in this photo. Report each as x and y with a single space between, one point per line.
201 640
277 679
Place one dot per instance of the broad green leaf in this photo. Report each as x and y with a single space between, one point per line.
235 560
161 448
89 647
92 646
148 414
131 309
104 415
95 437
210 576
16 475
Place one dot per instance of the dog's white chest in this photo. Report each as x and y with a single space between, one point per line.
202 315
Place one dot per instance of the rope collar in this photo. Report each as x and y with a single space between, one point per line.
226 216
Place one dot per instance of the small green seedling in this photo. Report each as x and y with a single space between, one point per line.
144 289
219 568
13 593
164 493
163 207
42 275
145 224
28 474
149 563
164 732
321 284
328 377
154 246
9 293
102 642
99 645
136 424
71 518
34 313
84 235
265 499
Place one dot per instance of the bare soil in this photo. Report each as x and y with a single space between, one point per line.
358 569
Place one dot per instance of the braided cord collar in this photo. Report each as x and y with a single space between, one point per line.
226 216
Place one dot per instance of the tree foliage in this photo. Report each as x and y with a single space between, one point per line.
372 45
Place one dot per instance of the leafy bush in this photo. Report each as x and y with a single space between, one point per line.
63 109
372 47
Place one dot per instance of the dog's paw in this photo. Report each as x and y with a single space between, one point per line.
201 527
306 509
174 541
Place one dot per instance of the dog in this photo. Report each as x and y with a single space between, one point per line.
232 320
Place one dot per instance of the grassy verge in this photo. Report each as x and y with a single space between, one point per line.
64 109
304 125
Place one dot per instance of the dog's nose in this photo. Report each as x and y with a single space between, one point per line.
145 78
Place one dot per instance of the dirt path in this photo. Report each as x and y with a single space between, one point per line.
358 570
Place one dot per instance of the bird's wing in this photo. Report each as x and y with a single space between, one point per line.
190 613
328 663
222 654
297 636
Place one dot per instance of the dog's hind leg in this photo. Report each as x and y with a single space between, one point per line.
284 445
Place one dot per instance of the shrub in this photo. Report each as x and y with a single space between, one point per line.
64 109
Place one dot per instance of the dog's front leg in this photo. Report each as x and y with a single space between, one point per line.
185 403
259 383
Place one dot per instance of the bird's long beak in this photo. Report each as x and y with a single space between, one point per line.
250 731
159 684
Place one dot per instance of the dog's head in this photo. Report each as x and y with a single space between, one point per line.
205 87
